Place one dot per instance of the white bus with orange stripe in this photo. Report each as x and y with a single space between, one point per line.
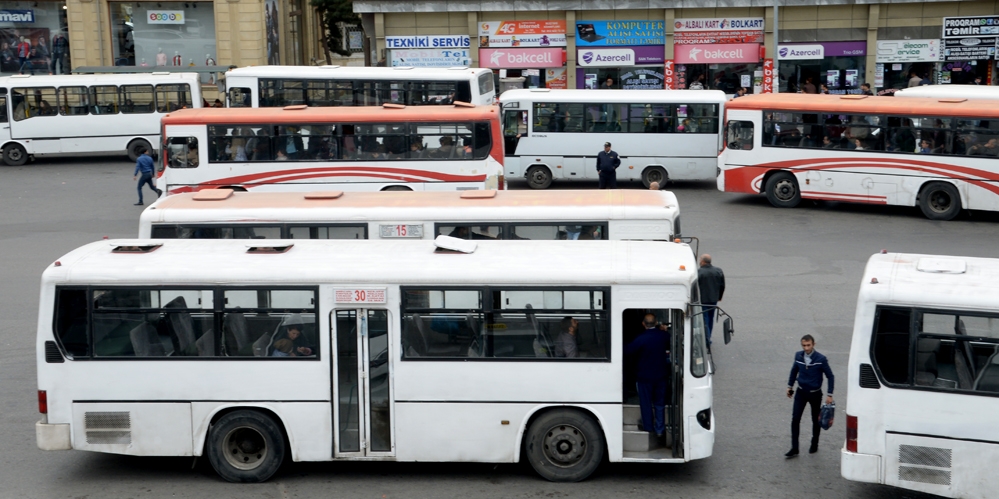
298 148
937 154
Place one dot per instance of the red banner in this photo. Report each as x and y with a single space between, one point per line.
768 76
669 76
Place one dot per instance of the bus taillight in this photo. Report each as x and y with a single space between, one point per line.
851 433
43 402
500 183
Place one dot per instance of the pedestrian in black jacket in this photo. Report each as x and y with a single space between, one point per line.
711 282
809 366
607 163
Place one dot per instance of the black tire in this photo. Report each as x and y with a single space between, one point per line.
940 201
136 147
15 155
654 174
539 177
564 445
397 188
782 190
245 446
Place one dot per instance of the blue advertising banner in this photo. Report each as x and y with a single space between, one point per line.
616 33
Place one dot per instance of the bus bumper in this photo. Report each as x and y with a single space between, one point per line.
53 436
860 467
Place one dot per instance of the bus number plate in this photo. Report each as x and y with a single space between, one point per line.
414 231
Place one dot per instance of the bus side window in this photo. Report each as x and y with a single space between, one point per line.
3 109
172 97
891 344
740 135
239 97
182 152
137 99
71 321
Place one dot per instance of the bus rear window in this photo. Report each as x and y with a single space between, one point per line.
71 321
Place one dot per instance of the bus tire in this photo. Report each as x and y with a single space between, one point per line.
782 190
245 446
940 201
15 155
654 174
397 188
539 177
136 147
565 445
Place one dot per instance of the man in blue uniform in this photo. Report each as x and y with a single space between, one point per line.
652 347
809 366
145 166
607 163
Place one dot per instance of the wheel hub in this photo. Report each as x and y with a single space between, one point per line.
564 445
245 448
785 190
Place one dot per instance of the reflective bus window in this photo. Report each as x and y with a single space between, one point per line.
239 97
136 99
270 323
74 101
182 152
104 99
172 97
740 135
152 322
328 232
33 102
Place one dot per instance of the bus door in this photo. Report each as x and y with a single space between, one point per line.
362 402
4 124
514 128
675 408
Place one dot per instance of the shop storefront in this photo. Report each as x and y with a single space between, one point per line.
34 38
897 60
840 66
163 34
969 50
524 54
717 53
443 51
620 54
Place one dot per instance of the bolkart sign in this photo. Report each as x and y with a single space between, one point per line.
800 52
718 30
17 16
908 51
428 42
717 54
522 58
522 34
972 26
431 58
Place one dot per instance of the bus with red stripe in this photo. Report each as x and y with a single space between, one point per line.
938 154
300 148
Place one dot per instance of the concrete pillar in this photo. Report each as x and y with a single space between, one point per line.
473 35
669 16
873 18
570 49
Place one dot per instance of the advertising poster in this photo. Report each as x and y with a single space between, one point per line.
642 79
768 76
969 49
908 51
271 32
617 33
556 78
37 46
669 78
522 34
431 58
591 81
718 30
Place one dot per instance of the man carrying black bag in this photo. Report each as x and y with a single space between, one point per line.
809 366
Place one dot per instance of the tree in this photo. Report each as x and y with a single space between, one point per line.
334 15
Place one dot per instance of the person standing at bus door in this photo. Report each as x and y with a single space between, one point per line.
653 374
711 282
145 166
808 368
565 343
607 163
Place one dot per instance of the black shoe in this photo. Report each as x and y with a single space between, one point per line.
791 453
138 204
813 449
159 192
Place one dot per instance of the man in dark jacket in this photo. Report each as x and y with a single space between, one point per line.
607 163
145 166
652 347
711 282
809 366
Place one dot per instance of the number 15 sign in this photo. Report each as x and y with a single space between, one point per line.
360 295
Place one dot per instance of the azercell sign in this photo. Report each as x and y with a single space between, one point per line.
800 52
605 57
17 16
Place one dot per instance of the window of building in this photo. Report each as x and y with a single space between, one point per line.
162 34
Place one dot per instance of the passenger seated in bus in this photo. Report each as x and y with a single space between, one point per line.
990 148
565 343
293 333
280 156
858 145
283 348
416 148
827 143
926 146
446 148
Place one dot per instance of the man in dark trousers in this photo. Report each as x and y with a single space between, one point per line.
607 163
145 166
652 347
809 366
711 282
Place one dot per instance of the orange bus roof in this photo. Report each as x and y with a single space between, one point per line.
851 104
345 114
423 199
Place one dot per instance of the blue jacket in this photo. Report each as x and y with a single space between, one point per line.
144 164
653 349
607 162
810 378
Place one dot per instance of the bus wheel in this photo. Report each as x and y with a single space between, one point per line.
782 190
539 177
940 201
245 446
15 155
136 147
565 445
397 188
654 174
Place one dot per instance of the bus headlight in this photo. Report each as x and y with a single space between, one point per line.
704 418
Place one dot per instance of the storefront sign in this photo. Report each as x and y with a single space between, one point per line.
617 33
522 34
642 79
620 56
431 58
821 50
908 51
718 30
977 26
879 75
717 54
669 75
969 49
556 78
522 58
768 77
427 42
800 52
17 16
165 17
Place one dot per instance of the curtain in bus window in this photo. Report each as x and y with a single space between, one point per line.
74 101
153 322
173 97
977 137
34 102
270 323
104 98
136 99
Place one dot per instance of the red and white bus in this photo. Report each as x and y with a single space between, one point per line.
939 154
297 148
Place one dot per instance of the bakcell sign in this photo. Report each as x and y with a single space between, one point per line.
716 54
165 17
518 58
800 52
768 76
669 75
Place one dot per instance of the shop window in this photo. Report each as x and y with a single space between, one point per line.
73 101
182 152
172 97
104 99
139 40
136 99
33 102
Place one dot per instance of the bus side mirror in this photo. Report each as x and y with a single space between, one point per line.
727 330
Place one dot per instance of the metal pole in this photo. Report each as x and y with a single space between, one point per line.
776 53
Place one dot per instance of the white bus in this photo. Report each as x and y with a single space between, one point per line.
922 400
951 92
400 352
88 114
279 86
562 214
660 135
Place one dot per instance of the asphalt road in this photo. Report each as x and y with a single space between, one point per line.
789 272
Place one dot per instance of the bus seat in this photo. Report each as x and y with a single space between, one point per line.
146 342
206 344
235 324
262 345
988 375
181 326
965 378
969 355
926 361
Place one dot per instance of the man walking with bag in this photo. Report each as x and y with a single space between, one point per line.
809 366
607 163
